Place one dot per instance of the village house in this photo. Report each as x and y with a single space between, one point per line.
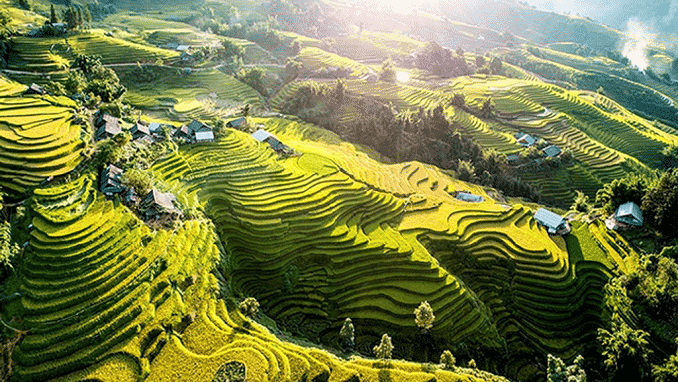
182 133
551 151
554 223
264 136
197 126
526 140
158 204
204 136
237 123
35 89
469 197
110 181
140 131
627 215
107 126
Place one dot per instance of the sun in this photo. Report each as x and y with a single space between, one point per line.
402 76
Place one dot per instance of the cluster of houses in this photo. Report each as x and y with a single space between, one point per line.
526 141
627 216
154 205
108 126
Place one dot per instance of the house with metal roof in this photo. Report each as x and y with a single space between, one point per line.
629 213
35 89
204 136
197 126
262 135
551 151
183 133
236 123
468 197
526 140
554 223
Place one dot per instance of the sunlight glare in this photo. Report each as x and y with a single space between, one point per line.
402 76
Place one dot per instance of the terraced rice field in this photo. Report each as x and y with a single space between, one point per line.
37 138
106 298
201 94
606 140
54 54
315 59
333 234
375 47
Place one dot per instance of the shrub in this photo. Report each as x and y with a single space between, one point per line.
447 360
249 307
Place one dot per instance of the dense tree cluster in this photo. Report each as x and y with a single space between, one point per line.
307 17
93 82
254 77
263 33
640 341
442 62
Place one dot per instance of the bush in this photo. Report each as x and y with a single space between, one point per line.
447 360
249 307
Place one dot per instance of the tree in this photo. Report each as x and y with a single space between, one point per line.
254 77
8 250
466 171
52 15
388 72
25 4
557 371
458 100
423 316
232 49
447 360
486 109
670 156
624 346
495 66
668 372
347 336
631 188
249 307
581 202
385 348
660 204
140 180
5 18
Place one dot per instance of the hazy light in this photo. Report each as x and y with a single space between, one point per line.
636 44
402 76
